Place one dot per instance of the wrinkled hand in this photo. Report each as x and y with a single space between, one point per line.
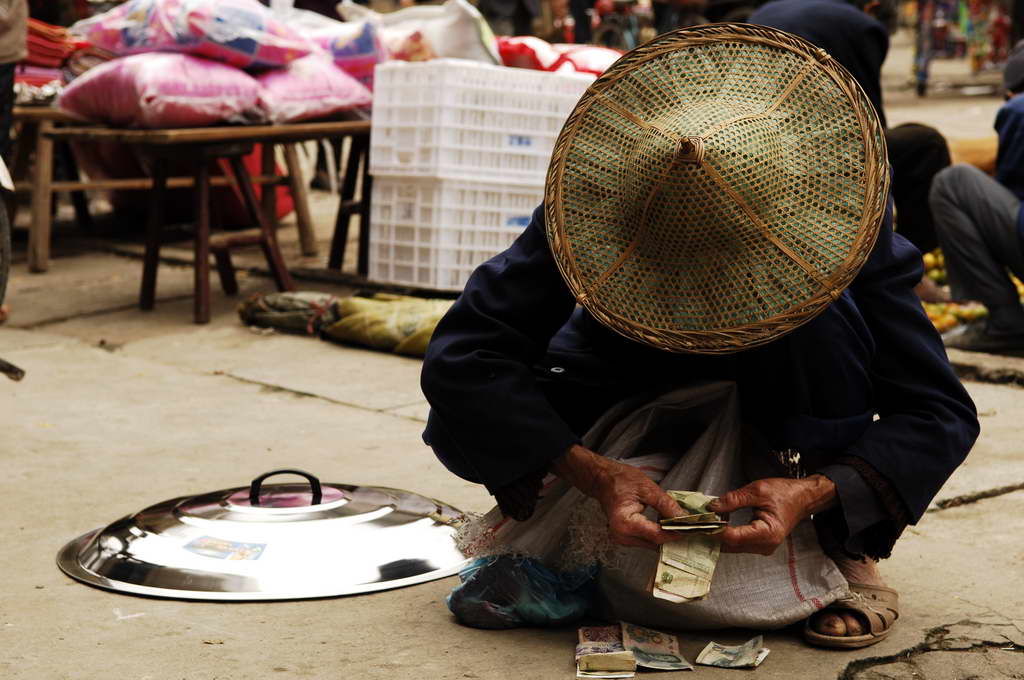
623 492
779 505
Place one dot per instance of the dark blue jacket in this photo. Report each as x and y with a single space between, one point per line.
1010 157
857 41
496 417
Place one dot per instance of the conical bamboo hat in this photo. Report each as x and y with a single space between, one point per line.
716 188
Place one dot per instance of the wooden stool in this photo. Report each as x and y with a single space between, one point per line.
202 155
358 160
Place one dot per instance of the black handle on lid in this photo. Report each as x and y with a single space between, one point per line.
314 485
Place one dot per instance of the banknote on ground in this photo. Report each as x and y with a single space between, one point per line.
686 566
653 649
748 655
600 654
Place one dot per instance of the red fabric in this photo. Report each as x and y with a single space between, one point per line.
49 45
534 53
232 206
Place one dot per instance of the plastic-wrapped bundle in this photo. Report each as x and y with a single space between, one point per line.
242 33
298 312
163 90
311 87
509 592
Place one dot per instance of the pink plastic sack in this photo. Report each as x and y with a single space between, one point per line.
312 87
355 47
242 33
163 90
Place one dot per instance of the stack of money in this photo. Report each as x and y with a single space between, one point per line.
616 651
748 655
654 649
685 567
600 654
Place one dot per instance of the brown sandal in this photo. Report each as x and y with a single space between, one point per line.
877 605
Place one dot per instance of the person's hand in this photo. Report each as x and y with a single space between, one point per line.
779 505
623 492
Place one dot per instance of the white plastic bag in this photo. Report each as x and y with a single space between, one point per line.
454 30
568 529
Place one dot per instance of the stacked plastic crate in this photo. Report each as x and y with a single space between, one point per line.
458 152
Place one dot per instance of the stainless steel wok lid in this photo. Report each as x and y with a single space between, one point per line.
272 542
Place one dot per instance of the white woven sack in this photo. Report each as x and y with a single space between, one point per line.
569 530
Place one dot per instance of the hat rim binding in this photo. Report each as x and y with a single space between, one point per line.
725 340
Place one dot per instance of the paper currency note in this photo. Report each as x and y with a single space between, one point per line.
676 585
692 502
600 650
686 566
748 655
654 649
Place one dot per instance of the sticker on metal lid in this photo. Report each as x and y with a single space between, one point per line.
221 549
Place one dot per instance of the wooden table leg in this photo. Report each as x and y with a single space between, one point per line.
268 167
20 161
271 251
202 241
79 199
226 270
300 198
154 225
339 241
42 175
365 192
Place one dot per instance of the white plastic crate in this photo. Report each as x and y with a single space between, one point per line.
432 232
456 118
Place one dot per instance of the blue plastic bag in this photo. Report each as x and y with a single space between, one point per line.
510 592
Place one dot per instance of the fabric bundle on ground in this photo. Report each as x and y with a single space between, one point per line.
163 90
311 87
242 33
685 439
392 323
297 312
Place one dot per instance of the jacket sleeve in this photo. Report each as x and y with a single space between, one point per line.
489 421
927 423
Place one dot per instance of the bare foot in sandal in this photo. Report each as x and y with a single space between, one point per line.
859 621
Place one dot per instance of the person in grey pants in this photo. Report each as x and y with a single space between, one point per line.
980 226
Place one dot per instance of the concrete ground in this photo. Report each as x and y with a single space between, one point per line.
121 409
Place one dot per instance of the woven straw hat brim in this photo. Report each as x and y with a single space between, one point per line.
716 188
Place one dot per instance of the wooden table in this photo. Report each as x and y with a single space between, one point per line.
34 123
201 146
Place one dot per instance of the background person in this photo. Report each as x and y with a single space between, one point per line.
980 226
13 48
850 31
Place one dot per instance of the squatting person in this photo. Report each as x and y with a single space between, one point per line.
717 208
